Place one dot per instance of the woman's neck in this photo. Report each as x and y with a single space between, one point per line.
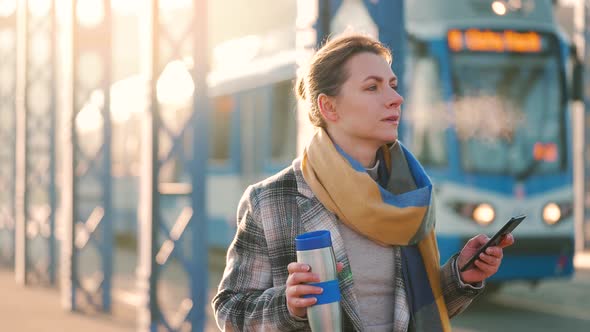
362 151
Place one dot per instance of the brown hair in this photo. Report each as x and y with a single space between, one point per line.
327 73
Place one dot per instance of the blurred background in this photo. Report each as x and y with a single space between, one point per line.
130 129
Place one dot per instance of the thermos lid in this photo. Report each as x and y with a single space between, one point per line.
313 240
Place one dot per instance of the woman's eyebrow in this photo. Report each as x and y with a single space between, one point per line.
380 79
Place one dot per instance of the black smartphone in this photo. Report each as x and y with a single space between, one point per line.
496 239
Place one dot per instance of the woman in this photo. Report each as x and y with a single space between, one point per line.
357 181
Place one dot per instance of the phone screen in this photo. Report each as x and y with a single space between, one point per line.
495 240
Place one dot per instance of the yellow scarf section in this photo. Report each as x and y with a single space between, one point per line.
354 197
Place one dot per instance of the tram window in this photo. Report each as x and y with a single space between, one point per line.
515 123
426 113
283 123
251 103
220 129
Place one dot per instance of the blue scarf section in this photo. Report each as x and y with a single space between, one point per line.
417 286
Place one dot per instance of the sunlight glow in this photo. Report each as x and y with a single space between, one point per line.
7 40
174 4
353 15
126 7
90 118
175 86
89 13
39 8
128 96
236 52
307 13
7 7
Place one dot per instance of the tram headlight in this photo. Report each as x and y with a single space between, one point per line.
554 212
551 213
484 214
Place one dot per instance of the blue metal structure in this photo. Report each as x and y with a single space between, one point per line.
36 130
172 222
586 131
87 247
7 135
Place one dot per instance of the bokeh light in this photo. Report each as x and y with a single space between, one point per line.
499 7
7 7
89 13
39 8
175 86
126 7
128 96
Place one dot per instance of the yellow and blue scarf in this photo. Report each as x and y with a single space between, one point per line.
405 219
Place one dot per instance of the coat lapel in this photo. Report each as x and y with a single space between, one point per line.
314 216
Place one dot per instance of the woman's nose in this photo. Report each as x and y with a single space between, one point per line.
394 99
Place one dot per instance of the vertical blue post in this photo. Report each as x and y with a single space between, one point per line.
161 196
8 137
389 17
148 315
36 118
53 194
21 166
326 10
586 132
87 188
107 237
68 259
200 156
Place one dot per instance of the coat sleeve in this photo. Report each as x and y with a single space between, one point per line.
246 299
457 295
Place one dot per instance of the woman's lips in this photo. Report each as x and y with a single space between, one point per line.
392 119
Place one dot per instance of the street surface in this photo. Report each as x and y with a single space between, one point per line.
561 305
558 305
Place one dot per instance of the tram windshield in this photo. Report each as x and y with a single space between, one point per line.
509 113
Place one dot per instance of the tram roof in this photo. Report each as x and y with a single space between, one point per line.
433 18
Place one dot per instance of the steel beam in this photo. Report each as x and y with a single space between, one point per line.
172 221
87 192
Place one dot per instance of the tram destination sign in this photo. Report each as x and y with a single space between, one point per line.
498 41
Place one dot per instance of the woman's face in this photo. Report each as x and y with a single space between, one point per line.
368 107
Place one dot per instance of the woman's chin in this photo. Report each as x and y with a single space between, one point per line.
389 138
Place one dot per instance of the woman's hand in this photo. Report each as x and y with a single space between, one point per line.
299 274
487 263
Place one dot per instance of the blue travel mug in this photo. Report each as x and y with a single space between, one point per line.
315 249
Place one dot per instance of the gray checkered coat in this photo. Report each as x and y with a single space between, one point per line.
271 213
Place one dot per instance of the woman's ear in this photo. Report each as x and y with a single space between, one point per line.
327 107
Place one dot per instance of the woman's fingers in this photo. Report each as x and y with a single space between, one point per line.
300 290
298 267
296 302
507 240
486 268
301 267
302 277
489 259
299 277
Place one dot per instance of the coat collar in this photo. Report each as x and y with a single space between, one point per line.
314 216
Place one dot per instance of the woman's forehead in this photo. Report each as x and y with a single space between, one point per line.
366 65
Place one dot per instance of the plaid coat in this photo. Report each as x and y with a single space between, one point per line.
271 213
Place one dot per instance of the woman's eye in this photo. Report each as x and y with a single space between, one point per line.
372 88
